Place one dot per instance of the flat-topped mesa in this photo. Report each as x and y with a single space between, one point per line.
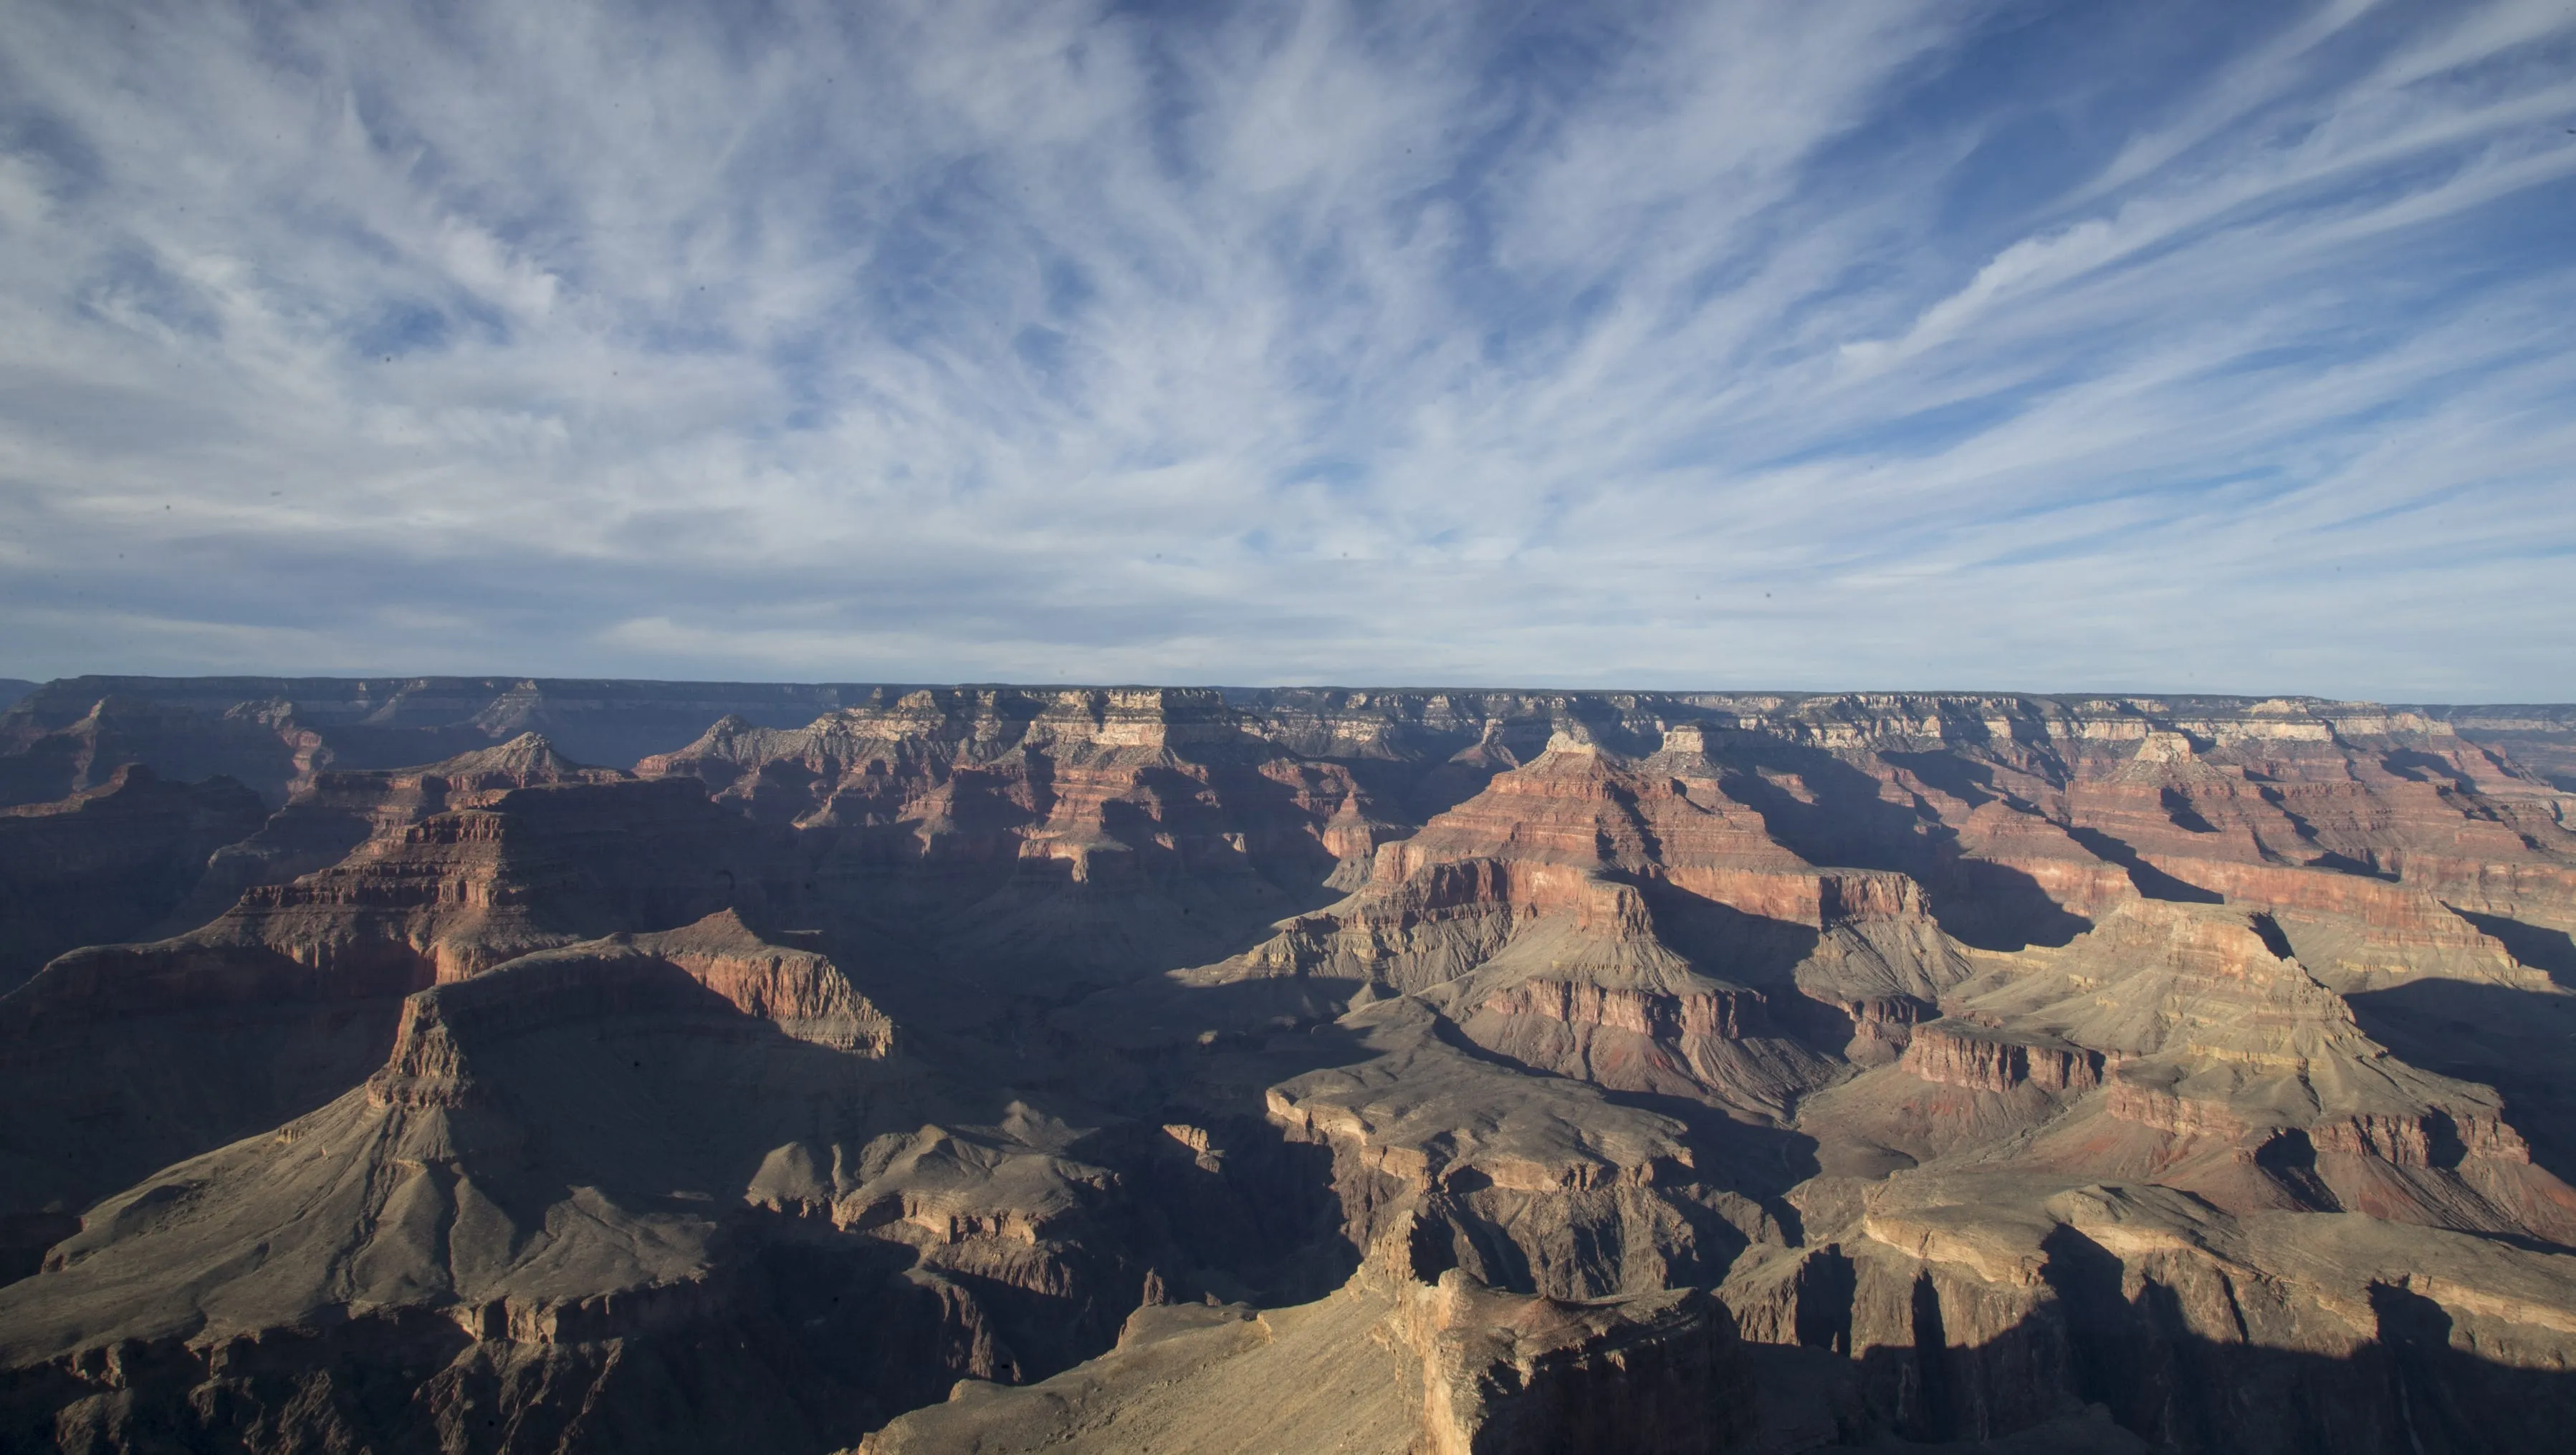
1689 739
443 1026
1136 717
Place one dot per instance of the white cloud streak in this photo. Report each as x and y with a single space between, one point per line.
1761 344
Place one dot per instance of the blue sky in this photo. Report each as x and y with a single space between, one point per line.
2038 346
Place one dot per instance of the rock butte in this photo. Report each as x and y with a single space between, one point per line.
485 1065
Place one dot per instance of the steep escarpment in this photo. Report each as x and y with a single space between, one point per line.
905 1069
106 863
394 722
47 753
116 1059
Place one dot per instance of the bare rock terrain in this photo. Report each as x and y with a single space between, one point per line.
484 1065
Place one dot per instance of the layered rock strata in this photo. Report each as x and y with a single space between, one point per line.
1008 1068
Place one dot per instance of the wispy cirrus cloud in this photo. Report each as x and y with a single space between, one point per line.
1756 344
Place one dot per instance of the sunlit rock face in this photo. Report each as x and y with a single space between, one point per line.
500 1065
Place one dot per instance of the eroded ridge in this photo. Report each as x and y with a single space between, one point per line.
998 1068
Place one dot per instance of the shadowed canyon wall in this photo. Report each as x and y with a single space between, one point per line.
483 1065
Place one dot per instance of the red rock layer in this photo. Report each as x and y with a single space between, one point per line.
1960 1054
460 891
1721 1013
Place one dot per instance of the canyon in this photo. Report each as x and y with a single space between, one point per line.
515 1065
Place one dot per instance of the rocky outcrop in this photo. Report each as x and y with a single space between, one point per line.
2331 1329
332 812
1520 1376
1443 1160
1227 1379
801 992
463 889
1591 916
1723 1013
1447 1367
1965 1054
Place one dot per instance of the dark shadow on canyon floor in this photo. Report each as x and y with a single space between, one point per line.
2150 881
2520 1043
2537 946
2409 1391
